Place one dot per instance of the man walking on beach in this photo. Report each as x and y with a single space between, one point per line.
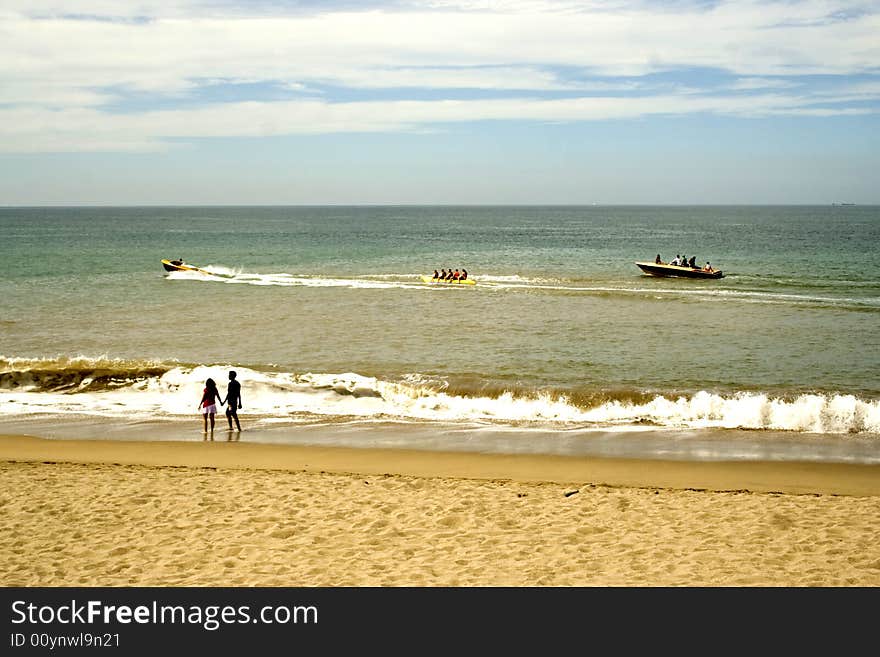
233 401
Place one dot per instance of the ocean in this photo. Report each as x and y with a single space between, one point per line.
563 346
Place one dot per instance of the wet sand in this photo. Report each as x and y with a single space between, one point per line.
114 513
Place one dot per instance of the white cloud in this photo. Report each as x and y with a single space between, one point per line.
90 129
748 84
65 68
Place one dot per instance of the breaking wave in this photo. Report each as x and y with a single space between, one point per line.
149 389
75 374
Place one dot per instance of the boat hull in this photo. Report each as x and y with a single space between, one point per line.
653 269
434 281
170 266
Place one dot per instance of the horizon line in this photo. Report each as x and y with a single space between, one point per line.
425 205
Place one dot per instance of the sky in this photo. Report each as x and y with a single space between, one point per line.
222 102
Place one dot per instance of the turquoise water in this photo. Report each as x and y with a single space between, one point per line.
322 312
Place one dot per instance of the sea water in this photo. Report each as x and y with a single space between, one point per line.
563 346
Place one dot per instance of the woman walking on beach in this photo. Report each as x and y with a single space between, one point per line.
210 397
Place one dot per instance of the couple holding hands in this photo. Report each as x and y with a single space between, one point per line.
211 397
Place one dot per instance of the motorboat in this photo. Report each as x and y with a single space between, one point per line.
180 265
663 269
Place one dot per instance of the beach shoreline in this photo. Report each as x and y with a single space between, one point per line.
810 478
115 513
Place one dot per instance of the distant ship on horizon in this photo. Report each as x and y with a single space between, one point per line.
835 203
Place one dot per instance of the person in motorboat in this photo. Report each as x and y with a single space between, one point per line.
177 262
657 260
708 267
692 263
676 261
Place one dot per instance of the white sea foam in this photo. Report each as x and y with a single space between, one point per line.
234 277
275 396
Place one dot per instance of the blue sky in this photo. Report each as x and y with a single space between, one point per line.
516 101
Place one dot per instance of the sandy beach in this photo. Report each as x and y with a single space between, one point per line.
126 513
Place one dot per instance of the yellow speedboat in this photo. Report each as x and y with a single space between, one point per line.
180 265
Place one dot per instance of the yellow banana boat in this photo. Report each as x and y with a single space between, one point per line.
437 281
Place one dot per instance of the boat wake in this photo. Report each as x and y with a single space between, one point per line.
686 290
283 279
